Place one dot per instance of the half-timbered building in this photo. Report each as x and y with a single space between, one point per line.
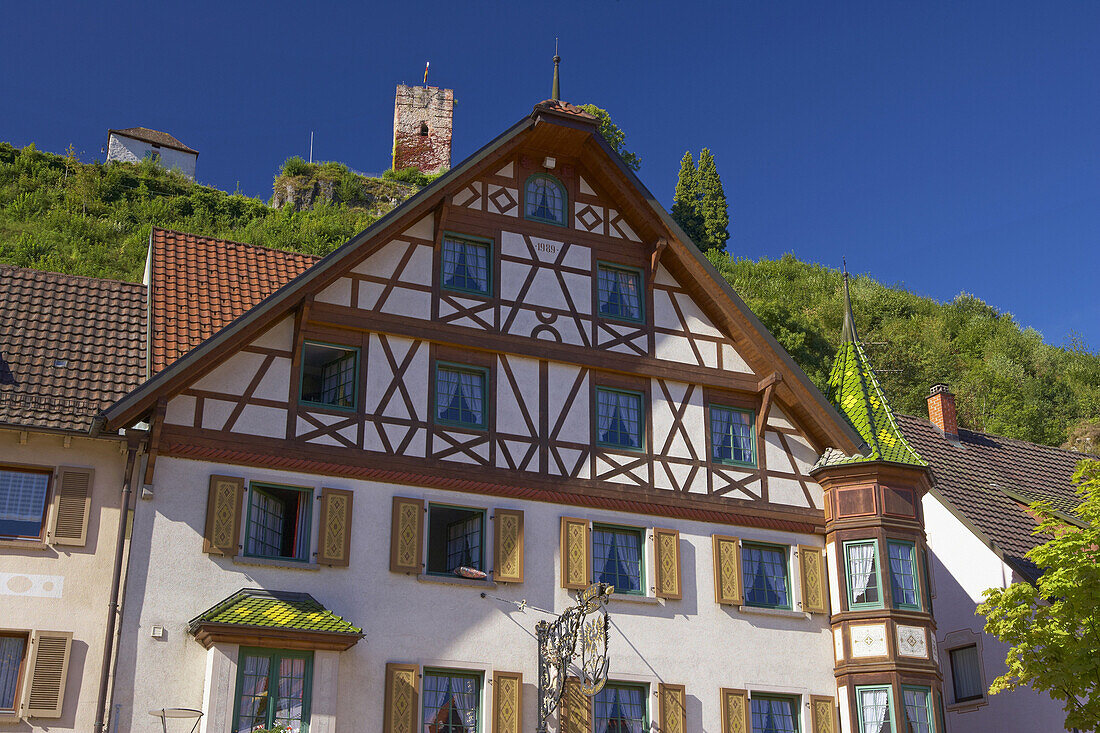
371 475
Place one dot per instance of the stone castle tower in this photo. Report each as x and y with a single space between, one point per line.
422 118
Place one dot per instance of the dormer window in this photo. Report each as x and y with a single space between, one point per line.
545 199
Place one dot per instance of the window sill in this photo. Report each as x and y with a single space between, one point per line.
779 612
455 580
22 545
9 719
631 598
270 562
967 706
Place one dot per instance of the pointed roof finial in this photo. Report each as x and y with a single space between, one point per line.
555 90
848 333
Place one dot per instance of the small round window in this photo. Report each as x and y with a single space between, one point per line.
545 199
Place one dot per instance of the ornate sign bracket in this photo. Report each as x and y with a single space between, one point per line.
580 631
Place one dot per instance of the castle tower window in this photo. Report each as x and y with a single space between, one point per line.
423 129
545 199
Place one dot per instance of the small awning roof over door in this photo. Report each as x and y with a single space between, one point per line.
275 619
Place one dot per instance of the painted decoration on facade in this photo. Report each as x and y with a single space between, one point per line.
912 642
27 584
868 640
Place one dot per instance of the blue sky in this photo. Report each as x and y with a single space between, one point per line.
945 146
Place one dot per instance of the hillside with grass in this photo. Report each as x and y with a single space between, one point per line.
59 214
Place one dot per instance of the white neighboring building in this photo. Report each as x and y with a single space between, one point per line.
135 144
979 531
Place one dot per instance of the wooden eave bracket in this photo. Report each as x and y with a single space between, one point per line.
441 219
157 419
655 259
767 385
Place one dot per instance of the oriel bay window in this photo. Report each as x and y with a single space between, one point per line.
774 714
875 708
732 436
620 708
466 265
903 575
617 558
766 574
619 293
273 690
23 502
329 375
619 418
917 706
455 540
278 522
861 568
451 702
460 395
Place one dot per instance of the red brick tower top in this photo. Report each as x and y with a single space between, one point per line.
422 118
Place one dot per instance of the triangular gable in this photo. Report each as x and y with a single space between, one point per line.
646 227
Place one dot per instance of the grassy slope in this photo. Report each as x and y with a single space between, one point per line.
58 214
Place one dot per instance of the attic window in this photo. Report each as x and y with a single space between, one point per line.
423 129
545 199
329 375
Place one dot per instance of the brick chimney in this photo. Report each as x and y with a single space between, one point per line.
941 410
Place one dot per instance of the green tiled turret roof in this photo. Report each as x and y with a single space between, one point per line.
854 389
274 610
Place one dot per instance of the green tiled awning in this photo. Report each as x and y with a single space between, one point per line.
262 609
854 389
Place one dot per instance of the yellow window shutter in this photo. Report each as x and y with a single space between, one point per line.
47 666
223 515
812 571
334 544
72 503
671 708
574 553
666 555
727 571
823 714
576 708
406 533
507 702
736 716
508 546
402 708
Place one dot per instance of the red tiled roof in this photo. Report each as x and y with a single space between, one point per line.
973 472
200 284
69 346
564 108
156 137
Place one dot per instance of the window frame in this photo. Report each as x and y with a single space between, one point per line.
490 263
863 605
929 707
47 502
309 492
710 435
484 514
606 265
20 672
564 197
643 416
891 709
981 675
916 576
642 686
786 550
449 672
274 655
794 700
642 534
468 368
355 382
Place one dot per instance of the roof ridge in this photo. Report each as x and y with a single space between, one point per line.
1056 448
52 273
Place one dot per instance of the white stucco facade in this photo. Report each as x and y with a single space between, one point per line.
129 150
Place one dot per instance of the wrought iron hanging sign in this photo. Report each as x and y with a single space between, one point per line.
579 632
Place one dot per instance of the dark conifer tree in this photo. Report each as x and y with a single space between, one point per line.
712 203
685 202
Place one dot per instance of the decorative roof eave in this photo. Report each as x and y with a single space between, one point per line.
209 633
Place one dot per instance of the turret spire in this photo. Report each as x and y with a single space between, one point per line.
848 335
555 90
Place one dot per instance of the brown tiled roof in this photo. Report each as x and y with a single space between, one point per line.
974 473
156 137
69 346
200 284
556 105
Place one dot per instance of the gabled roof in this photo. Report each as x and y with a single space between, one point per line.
69 347
197 285
557 127
981 475
854 388
154 137
266 609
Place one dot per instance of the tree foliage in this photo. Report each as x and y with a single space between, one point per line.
685 201
699 202
1053 627
614 136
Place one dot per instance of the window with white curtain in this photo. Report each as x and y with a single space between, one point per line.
460 393
917 706
765 572
452 702
876 706
966 673
861 565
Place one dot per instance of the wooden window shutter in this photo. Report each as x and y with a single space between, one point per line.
812 571
223 515
822 714
575 561
72 503
402 708
406 535
44 691
671 708
736 715
334 544
666 555
727 571
508 546
576 708
507 702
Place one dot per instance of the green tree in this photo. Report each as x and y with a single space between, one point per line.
685 202
614 136
1053 627
712 203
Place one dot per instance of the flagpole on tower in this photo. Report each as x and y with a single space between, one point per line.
426 64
